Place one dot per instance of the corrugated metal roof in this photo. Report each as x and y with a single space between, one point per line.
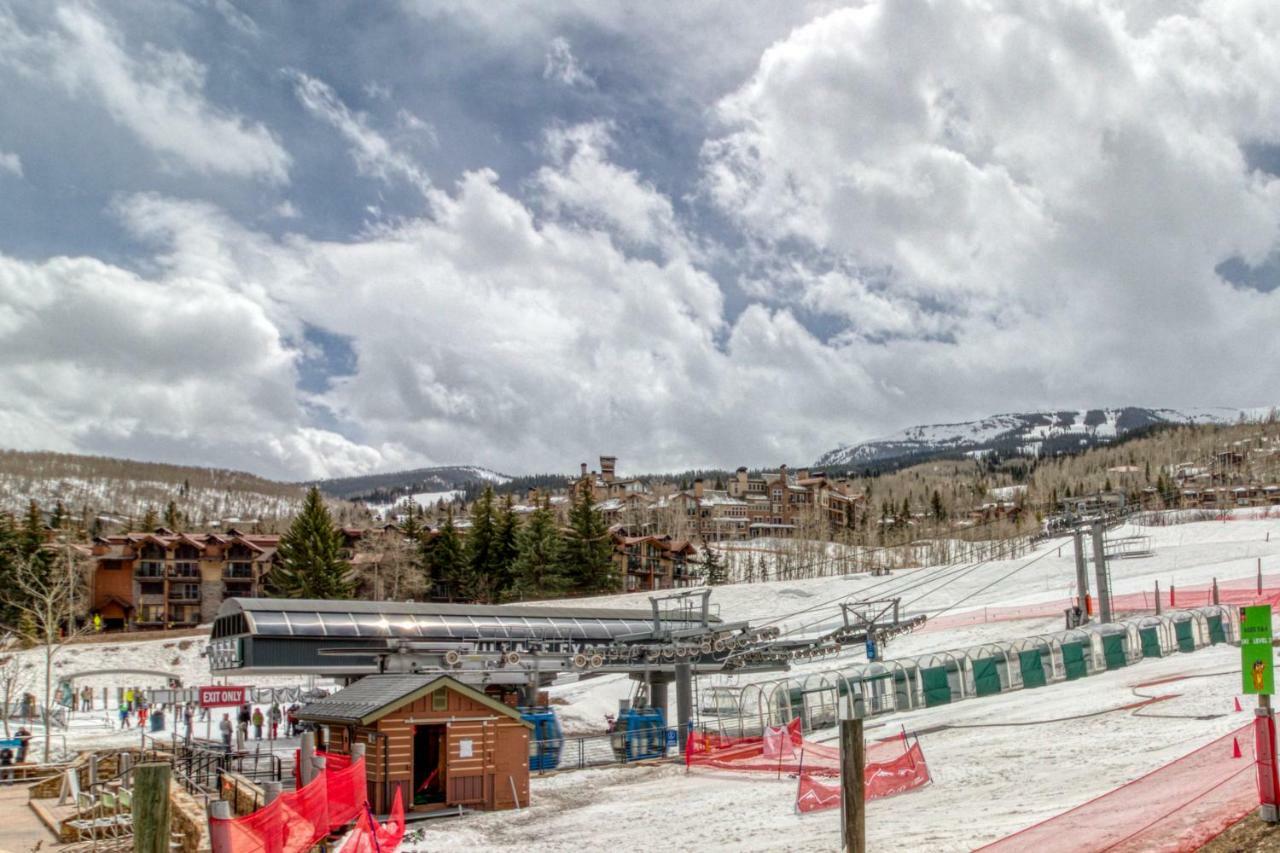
390 608
375 694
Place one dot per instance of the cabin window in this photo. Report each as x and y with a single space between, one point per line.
439 701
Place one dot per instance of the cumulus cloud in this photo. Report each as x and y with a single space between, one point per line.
561 65
1062 180
906 212
373 154
158 95
581 180
11 163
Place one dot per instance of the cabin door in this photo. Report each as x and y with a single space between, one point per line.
429 768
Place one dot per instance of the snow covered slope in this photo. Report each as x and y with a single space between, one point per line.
998 763
396 486
1029 433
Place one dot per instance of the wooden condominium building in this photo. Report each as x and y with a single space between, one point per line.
166 579
654 562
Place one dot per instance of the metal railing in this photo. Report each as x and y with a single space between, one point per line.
577 753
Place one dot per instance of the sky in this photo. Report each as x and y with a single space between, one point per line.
326 239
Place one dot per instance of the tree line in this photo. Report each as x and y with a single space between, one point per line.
495 557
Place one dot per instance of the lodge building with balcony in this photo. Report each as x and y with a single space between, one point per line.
165 579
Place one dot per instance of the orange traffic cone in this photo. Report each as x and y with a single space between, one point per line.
1237 701
1235 748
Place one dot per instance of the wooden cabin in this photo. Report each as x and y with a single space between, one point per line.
442 743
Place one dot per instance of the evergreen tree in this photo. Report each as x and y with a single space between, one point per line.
150 521
482 549
505 548
411 527
587 556
713 570
445 561
172 517
310 562
59 516
537 563
9 557
939 511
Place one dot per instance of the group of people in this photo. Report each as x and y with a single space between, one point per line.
252 716
133 702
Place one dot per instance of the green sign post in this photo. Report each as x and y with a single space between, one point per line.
1257 662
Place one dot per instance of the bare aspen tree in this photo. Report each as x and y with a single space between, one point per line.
44 596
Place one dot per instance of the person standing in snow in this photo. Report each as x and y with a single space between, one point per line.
24 740
275 720
124 715
257 723
225 728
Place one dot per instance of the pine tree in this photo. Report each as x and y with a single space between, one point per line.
310 562
445 562
587 557
505 548
59 516
537 563
9 557
482 549
150 521
713 570
172 517
939 511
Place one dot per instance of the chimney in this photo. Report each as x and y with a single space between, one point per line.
782 472
584 469
742 480
697 488
802 474
607 466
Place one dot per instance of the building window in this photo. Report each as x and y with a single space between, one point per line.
440 701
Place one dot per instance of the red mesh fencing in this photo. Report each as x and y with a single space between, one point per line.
294 822
332 761
1235 592
369 837
892 765
1177 807
886 774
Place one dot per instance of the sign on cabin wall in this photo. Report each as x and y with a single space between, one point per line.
220 697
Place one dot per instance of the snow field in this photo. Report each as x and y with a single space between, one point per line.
989 781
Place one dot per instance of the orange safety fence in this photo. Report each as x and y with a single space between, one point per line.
892 765
332 761
1177 807
1233 592
370 837
884 778
296 821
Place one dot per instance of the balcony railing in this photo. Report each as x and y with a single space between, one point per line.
238 572
149 569
184 570
184 592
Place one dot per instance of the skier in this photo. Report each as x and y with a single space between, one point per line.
275 720
257 723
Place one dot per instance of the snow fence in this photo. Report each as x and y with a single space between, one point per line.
1235 592
297 821
893 765
1178 807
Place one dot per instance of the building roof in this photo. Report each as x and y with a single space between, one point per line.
376 696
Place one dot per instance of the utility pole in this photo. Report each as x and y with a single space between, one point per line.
684 700
1100 567
1082 575
853 761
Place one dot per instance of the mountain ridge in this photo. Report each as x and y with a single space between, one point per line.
1037 433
